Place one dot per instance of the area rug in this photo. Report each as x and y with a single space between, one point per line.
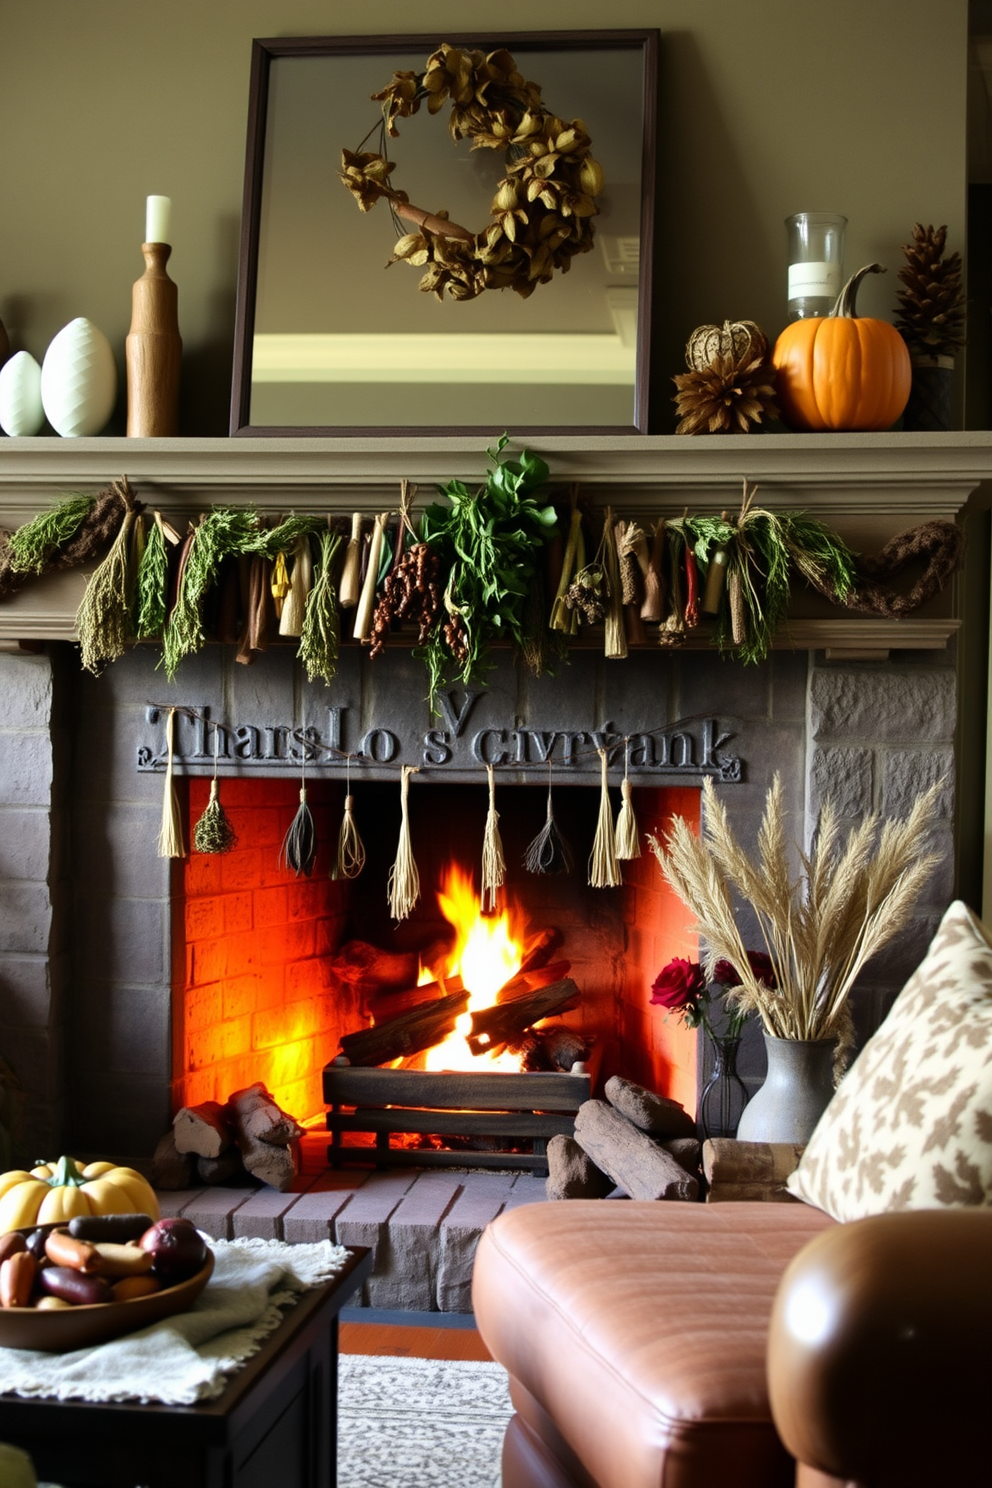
420 1423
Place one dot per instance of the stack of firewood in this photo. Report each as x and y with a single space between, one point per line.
635 1141
247 1138
406 1018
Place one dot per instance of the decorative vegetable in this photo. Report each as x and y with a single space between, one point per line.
743 340
53 1192
17 1274
73 1286
177 1248
116 1228
841 371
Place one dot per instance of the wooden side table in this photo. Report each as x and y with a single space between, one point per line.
275 1423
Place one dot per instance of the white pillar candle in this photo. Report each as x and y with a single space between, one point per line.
158 210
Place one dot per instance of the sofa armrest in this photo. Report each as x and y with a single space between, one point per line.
748 1170
879 1364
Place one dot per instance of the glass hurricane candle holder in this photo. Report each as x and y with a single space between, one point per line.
816 262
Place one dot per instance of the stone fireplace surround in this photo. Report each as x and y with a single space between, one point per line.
88 949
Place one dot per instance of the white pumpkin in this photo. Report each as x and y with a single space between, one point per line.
79 379
21 410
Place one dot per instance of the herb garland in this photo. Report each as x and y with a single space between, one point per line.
489 542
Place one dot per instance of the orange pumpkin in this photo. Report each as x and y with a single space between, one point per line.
839 371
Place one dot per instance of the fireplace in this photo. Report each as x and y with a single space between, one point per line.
93 939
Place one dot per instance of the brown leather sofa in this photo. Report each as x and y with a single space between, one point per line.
636 1336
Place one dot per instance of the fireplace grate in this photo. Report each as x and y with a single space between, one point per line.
506 1108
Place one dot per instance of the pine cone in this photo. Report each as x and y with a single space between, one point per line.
725 397
932 306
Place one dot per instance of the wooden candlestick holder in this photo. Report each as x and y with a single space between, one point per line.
153 350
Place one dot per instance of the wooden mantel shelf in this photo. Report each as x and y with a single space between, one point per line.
867 486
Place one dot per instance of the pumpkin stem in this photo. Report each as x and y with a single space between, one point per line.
845 300
66 1175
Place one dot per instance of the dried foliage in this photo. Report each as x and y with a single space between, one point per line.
727 397
543 208
850 898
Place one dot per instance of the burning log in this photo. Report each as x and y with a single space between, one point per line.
533 980
204 1129
539 949
632 1160
505 1023
409 1033
383 1006
358 962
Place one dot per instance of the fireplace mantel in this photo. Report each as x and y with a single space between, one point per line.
868 486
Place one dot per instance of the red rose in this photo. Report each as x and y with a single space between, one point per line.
678 985
761 969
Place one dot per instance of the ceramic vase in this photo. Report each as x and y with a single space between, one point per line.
79 380
724 1094
931 397
21 410
797 1090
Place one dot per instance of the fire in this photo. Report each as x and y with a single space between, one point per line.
486 954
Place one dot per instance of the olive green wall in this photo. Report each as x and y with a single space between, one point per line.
766 108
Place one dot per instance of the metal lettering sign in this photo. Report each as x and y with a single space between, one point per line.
456 747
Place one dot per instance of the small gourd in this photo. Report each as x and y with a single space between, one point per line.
54 1192
842 371
742 340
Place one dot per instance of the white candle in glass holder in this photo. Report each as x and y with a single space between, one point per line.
158 210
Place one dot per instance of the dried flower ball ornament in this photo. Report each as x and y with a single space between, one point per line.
543 207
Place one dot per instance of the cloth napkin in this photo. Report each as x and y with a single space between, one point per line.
189 1357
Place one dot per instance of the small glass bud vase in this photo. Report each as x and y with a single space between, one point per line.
724 1095
816 262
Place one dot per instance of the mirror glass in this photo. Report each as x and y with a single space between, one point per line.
333 339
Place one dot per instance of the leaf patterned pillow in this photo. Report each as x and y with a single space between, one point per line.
911 1124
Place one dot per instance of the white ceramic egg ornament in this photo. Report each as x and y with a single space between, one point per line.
79 379
21 410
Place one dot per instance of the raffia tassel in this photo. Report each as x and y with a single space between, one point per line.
626 837
170 837
301 582
548 852
493 861
350 859
403 889
299 846
604 872
213 833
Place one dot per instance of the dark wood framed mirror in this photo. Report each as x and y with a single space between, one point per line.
329 341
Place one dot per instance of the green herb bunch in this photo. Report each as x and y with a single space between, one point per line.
489 542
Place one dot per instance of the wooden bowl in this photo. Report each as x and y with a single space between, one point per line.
81 1327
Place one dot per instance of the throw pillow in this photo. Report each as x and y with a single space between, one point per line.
910 1126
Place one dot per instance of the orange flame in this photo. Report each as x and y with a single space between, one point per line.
486 954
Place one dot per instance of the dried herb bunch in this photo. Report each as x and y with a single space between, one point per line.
932 306
819 928
488 542
543 208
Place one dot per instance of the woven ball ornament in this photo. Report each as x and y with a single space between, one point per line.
543 208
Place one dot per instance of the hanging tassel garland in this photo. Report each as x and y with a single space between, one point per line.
280 583
615 637
493 861
350 587
170 837
366 603
299 846
213 833
548 852
604 872
626 837
653 608
404 881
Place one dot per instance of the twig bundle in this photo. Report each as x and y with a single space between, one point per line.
299 846
819 930
403 889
